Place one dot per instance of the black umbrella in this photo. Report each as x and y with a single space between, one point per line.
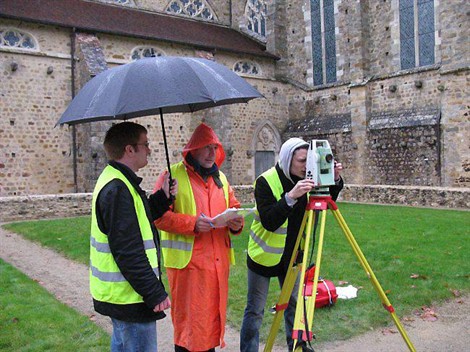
155 85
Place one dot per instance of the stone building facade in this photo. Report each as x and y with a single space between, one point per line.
386 82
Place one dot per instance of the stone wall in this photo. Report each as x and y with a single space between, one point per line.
90 158
44 206
371 83
78 204
34 88
434 197
37 158
404 148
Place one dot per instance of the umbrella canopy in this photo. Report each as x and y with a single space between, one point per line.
157 85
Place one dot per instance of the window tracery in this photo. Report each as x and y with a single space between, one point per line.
14 38
249 68
192 8
256 14
141 52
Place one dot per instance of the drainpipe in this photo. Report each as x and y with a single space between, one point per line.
230 12
439 149
74 131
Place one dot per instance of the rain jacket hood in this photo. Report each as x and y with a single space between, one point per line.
286 153
204 135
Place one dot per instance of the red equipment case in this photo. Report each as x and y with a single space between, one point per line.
326 290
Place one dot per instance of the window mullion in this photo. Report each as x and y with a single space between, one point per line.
416 32
323 41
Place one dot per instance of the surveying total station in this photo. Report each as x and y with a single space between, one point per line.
319 168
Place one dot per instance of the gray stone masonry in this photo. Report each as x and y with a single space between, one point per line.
77 204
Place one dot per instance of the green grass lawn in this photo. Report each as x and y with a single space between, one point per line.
31 319
418 255
397 242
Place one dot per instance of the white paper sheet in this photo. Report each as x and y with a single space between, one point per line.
229 214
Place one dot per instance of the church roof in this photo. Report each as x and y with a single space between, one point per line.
97 17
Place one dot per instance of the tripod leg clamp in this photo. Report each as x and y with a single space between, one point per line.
281 306
299 335
389 308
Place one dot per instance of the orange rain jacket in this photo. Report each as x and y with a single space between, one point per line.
199 292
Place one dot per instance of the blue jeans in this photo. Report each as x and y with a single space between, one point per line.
133 337
258 287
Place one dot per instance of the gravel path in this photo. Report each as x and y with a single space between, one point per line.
68 282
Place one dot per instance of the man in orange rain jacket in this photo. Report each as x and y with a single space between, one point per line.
196 254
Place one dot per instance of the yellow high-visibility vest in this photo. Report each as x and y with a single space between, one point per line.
266 247
177 249
107 284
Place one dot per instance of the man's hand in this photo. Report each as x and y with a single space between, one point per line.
338 168
166 185
235 224
203 224
162 306
302 187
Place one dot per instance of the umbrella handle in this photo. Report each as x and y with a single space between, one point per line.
170 181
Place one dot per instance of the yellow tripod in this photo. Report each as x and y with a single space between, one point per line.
303 321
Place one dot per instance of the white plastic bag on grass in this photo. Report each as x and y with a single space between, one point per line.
346 292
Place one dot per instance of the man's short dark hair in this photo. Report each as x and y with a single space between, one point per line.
301 147
120 135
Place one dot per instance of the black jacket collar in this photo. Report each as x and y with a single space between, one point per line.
130 175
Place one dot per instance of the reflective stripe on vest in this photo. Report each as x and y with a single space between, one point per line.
177 249
107 284
266 247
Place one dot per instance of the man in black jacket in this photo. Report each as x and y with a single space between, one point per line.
125 276
281 195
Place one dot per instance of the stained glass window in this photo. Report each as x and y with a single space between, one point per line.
145 51
256 14
323 41
192 8
249 68
416 33
14 38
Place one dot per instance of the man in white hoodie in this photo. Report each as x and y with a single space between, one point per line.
281 195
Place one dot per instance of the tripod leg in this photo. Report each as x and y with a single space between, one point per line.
305 313
299 331
363 261
286 291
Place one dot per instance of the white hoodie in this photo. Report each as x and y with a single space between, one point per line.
286 153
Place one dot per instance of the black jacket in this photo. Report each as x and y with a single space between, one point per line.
117 218
274 213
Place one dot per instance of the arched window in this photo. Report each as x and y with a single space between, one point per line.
256 13
417 33
14 38
266 143
248 68
323 41
192 8
145 51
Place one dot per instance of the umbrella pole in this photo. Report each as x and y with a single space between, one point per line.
166 149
